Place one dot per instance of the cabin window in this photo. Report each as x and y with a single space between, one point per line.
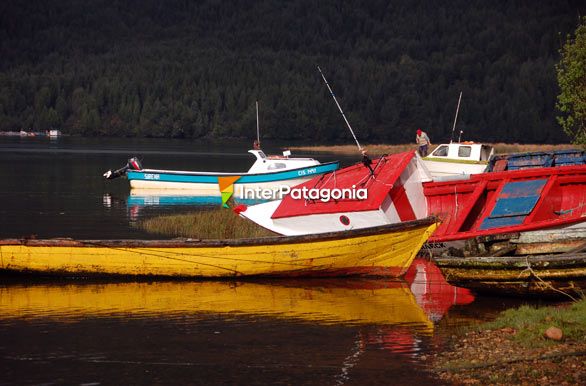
277 165
344 220
441 151
464 151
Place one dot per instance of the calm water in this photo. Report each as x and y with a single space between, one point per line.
323 332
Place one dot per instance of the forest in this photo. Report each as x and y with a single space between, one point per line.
194 69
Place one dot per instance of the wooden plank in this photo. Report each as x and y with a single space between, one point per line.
461 215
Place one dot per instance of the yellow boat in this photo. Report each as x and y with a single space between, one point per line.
379 251
324 301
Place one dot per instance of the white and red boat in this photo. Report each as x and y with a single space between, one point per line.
394 193
399 189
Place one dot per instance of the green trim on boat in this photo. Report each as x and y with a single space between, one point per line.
452 160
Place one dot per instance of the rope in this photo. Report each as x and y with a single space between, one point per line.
543 282
158 253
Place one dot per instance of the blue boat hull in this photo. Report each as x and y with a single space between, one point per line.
206 184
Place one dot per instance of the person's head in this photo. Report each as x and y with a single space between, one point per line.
418 131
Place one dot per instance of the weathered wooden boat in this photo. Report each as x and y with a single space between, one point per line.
268 173
457 159
542 262
549 274
536 159
320 301
379 251
506 202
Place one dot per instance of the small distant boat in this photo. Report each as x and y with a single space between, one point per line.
378 251
268 173
54 133
458 159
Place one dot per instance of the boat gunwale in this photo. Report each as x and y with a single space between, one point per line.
545 261
211 174
537 225
200 243
511 175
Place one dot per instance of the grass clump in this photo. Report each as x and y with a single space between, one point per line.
217 223
530 323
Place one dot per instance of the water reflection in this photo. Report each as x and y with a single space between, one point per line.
303 331
347 302
432 291
142 203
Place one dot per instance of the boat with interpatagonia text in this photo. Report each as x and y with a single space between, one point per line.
268 173
387 250
398 189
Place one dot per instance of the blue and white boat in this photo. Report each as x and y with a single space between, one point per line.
268 176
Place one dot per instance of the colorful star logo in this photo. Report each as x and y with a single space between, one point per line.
227 188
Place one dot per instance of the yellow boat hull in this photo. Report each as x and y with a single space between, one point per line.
380 251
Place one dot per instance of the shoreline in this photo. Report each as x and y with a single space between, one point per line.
380 149
513 349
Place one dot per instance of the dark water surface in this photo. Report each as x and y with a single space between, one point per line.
322 332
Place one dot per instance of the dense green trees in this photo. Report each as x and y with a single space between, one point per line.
571 74
190 69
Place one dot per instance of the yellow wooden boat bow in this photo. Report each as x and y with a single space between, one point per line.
379 251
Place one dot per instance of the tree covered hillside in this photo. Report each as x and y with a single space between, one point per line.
182 68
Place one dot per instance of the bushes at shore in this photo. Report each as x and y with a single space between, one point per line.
379 149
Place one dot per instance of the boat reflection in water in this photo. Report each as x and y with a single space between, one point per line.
319 301
351 302
431 290
160 199
340 329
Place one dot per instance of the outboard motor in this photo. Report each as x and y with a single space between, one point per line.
133 163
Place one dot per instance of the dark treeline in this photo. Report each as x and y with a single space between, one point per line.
180 68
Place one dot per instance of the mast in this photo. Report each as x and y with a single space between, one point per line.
456 118
339 108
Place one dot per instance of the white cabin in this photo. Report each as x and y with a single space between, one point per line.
458 159
273 163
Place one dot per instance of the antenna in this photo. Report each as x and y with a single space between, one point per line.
456 118
339 108
257 126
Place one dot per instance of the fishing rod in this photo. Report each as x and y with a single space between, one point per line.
455 119
339 108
